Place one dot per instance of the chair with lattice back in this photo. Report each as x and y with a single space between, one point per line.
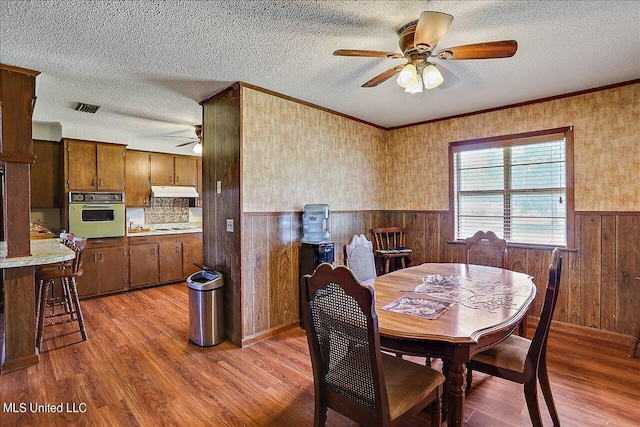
358 256
351 375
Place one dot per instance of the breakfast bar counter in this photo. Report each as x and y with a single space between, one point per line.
18 335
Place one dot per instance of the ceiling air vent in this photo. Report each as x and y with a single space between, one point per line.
86 108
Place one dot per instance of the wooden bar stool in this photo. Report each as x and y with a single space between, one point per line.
65 306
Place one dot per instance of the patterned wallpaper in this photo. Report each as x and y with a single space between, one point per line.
606 149
294 154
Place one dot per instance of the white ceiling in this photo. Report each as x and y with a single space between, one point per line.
149 63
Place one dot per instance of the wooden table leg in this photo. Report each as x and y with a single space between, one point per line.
455 393
19 335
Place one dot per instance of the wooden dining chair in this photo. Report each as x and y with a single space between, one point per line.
524 361
485 248
350 373
358 256
66 305
389 244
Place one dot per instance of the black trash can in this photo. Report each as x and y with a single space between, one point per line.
206 315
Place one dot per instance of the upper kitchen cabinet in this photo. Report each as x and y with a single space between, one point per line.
185 171
93 166
46 175
168 169
138 179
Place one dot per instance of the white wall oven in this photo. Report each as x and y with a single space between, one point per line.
97 215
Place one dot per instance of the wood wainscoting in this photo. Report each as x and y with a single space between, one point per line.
598 289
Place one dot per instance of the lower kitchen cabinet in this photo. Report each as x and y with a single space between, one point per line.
163 259
104 267
143 261
170 258
192 251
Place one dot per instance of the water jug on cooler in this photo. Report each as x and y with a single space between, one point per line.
315 222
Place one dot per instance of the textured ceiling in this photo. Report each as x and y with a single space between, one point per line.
149 63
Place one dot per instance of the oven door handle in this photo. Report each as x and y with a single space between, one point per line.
98 206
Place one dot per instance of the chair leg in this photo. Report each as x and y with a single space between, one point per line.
75 302
634 342
387 263
435 409
44 294
531 396
320 415
543 378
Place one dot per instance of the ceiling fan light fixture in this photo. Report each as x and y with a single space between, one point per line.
197 148
408 76
432 77
415 86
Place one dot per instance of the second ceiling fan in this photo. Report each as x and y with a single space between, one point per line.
417 41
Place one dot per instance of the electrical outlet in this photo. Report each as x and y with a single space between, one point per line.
219 187
230 225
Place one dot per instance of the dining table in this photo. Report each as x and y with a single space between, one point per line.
450 311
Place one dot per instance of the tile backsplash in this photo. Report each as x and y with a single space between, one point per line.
167 210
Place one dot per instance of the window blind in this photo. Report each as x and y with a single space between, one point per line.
515 188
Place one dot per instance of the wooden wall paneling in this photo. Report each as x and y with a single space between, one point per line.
590 267
248 279
340 234
608 273
221 162
286 289
517 259
445 236
627 271
262 296
432 238
416 236
562 304
575 277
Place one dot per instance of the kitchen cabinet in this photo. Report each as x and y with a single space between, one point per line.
104 267
163 258
143 261
185 171
192 251
199 178
138 178
162 169
168 169
170 258
91 166
46 175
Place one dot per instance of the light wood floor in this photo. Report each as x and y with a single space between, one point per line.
139 369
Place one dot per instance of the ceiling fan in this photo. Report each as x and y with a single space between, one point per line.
197 148
417 41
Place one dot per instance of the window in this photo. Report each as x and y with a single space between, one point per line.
518 186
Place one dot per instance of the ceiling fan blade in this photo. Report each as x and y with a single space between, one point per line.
486 50
186 143
429 30
368 53
450 79
383 76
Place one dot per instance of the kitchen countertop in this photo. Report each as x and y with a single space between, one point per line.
46 251
165 230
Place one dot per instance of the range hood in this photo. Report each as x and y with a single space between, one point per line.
173 191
